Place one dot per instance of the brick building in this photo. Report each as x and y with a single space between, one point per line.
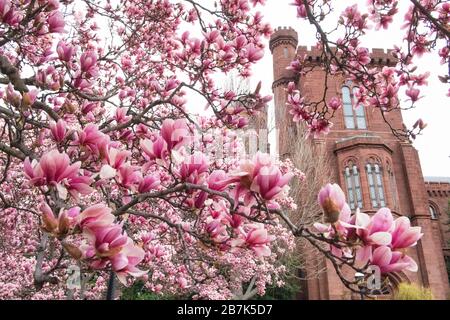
373 166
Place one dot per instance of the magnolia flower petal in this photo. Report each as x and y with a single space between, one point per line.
62 191
381 238
107 172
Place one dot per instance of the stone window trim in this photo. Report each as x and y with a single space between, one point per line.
391 186
354 117
433 210
376 183
353 187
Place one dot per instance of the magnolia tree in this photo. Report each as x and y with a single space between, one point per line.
108 171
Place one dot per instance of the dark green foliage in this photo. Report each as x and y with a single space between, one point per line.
288 292
291 288
138 292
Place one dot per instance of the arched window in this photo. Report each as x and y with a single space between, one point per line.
352 180
433 212
354 116
376 189
393 187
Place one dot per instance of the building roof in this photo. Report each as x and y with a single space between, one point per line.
437 179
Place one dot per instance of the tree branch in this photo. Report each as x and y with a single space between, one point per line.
13 74
430 18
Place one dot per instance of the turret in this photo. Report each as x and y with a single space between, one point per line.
283 45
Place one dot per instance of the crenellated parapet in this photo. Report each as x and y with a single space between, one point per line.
283 36
378 56
438 188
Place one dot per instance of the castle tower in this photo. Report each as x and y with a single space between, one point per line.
283 45
369 162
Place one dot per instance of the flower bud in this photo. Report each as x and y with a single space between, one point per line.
48 218
63 223
72 250
332 199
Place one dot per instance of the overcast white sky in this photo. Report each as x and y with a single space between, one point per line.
434 108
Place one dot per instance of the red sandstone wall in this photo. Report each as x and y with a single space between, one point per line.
439 197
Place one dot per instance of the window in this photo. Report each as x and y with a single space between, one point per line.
352 181
433 213
286 52
376 190
393 186
354 117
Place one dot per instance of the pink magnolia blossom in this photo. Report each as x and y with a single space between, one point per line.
56 22
420 45
194 168
8 14
240 42
126 261
377 238
362 56
110 244
391 261
96 216
154 149
420 124
216 229
107 240
270 182
57 225
261 176
384 21
211 36
175 133
355 18
335 103
148 183
332 200
94 140
121 115
58 130
257 239
54 169
255 2
88 63
413 94
235 220
252 53
403 235
375 229
218 180
5 6
301 11
65 52
129 176
182 282
30 97
319 127
116 158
